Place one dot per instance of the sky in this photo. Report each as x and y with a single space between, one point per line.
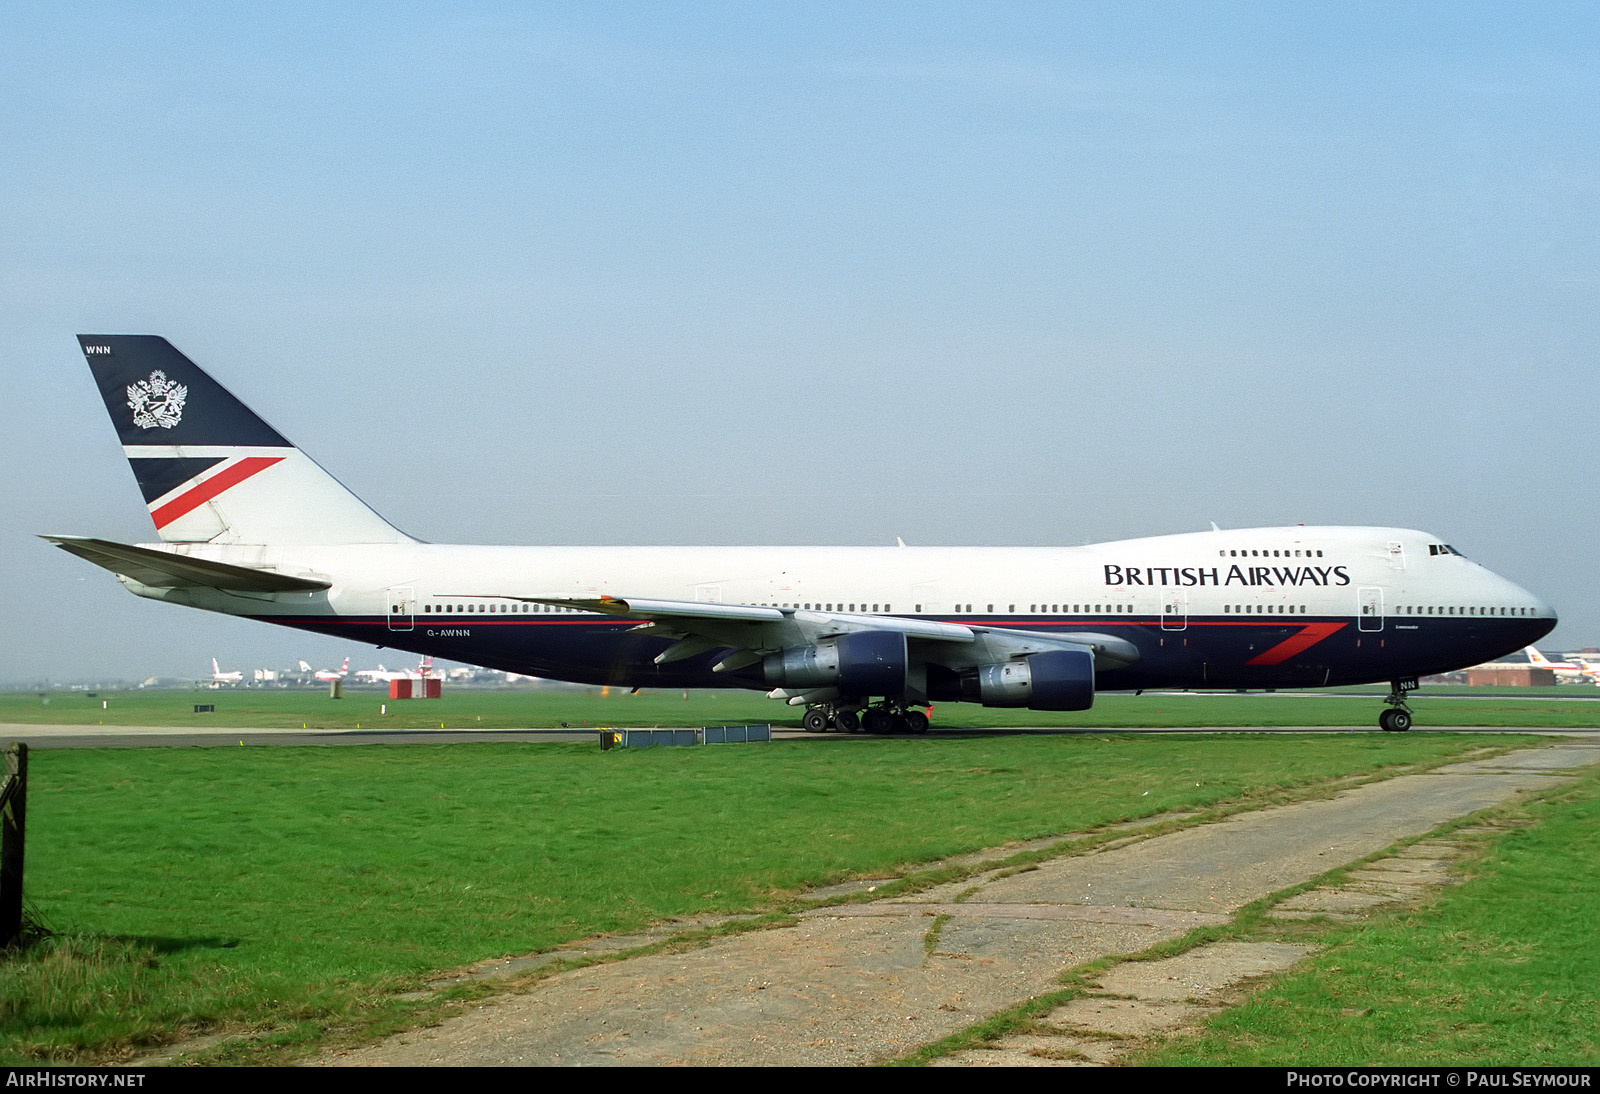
808 273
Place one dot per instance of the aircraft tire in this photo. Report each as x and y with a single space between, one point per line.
877 720
815 721
1394 721
847 721
916 721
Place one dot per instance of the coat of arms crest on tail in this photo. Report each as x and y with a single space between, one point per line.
157 401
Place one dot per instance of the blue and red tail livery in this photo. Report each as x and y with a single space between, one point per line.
197 451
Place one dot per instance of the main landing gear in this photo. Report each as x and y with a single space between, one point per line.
822 717
1397 719
893 718
883 717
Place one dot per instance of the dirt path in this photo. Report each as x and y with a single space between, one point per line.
863 983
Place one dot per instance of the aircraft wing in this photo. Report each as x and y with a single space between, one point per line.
164 570
689 613
749 631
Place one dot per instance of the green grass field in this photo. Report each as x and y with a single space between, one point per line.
295 893
544 708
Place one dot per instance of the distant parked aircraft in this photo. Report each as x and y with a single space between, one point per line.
225 677
380 675
327 675
1565 671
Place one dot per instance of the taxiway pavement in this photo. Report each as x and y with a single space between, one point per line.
862 983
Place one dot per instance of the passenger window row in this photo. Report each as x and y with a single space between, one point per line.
1263 553
1033 609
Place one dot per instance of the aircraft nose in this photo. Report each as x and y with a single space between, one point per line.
1541 608
1537 608
1531 605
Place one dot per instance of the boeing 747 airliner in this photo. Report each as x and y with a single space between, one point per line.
860 636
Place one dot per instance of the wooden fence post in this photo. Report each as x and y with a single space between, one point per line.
13 817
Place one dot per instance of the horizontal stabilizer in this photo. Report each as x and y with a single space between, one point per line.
162 570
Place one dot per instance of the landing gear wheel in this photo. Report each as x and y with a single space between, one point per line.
1395 720
877 720
815 720
916 721
847 721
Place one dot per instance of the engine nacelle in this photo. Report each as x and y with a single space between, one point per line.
862 663
1056 680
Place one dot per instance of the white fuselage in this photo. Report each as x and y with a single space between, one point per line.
1388 584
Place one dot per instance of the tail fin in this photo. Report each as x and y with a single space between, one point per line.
209 468
1536 658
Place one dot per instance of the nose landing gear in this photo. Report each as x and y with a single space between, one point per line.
1397 719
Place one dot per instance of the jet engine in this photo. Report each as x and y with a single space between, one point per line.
861 663
1055 680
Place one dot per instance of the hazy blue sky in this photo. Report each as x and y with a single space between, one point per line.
757 273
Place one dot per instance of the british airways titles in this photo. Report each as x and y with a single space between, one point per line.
1236 575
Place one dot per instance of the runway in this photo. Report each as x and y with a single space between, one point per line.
81 736
69 736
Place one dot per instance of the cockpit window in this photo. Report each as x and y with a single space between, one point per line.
1444 549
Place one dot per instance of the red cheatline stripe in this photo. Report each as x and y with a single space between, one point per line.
1309 636
190 500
